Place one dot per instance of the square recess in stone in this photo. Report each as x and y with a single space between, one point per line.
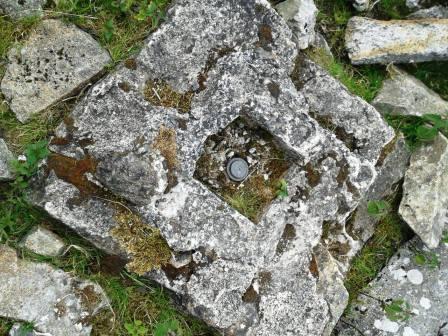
266 160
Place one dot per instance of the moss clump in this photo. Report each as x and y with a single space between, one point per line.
160 93
165 142
144 243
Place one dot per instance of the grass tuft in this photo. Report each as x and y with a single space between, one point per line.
390 233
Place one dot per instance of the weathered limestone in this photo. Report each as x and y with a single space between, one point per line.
398 41
235 59
5 158
54 301
300 16
413 276
435 12
43 241
18 9
406 95
55 61
425 192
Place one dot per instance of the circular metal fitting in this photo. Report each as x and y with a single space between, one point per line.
237 169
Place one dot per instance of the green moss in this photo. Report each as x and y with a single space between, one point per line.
390 233
363 81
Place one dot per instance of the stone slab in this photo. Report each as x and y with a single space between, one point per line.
5 158
43 241
54 301
55 61
370 41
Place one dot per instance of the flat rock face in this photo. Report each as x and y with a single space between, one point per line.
5 158
55 61
43 241
54 301
435 12
405 94
300 16
371 41
425 192
419 278
18 9
233 60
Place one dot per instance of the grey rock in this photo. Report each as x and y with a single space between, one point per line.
54 301
56 60
361 5
412 4
236 57
321 44
43 241
5 158
406 95
136 176
425 191
391 169
371 41
300 16
18 9
435 12
423 287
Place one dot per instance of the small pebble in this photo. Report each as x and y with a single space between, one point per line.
252 150
230 154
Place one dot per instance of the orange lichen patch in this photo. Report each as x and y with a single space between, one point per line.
264 37
159 93
145 244
74 171
251 295
314 269
131 64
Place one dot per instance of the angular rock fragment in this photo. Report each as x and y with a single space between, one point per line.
232 61
54 301
371 41
407 298
55 61
300 16
43 241
425 192
406 95
5 158
435 12
18 9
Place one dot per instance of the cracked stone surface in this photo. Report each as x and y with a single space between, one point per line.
55 61
18 9
238 58
404 94
425 191
54 301
371 41
5 158
420 284
43 241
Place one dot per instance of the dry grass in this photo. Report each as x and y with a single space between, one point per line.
148 248
159 93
